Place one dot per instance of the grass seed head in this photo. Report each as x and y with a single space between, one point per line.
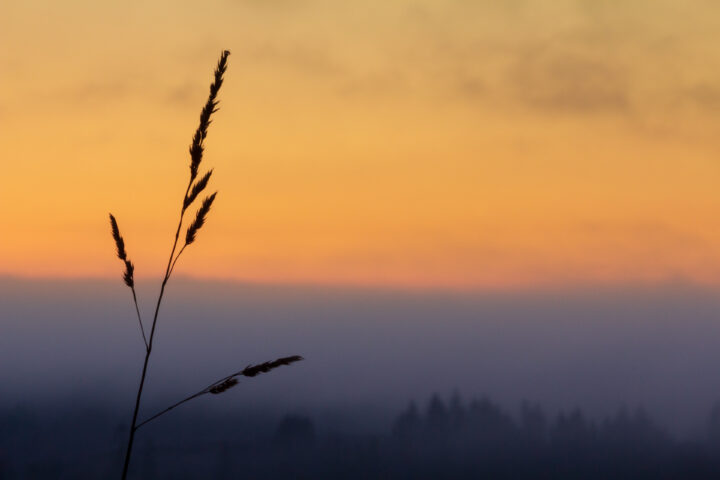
199 221
221 387
197 148
119 242
254 370
197 188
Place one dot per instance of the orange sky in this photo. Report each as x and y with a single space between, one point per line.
434 143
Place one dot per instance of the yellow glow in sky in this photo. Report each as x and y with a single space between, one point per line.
418 143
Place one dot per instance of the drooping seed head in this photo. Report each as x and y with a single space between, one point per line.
254 370
122 254
119 242
221 387
128 274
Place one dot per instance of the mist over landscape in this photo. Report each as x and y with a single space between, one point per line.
370 349
69 354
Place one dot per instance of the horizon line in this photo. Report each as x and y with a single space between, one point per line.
461 288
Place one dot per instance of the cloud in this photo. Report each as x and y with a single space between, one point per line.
104 89
272 4
304 57
703 96
578 58
569 83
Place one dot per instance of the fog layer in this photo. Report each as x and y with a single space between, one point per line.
62 341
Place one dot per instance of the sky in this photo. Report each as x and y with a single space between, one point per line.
427 143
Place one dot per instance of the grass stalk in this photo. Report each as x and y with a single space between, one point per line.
193 189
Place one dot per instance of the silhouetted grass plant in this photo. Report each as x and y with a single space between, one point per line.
194 188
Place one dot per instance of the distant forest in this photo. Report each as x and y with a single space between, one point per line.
445 438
